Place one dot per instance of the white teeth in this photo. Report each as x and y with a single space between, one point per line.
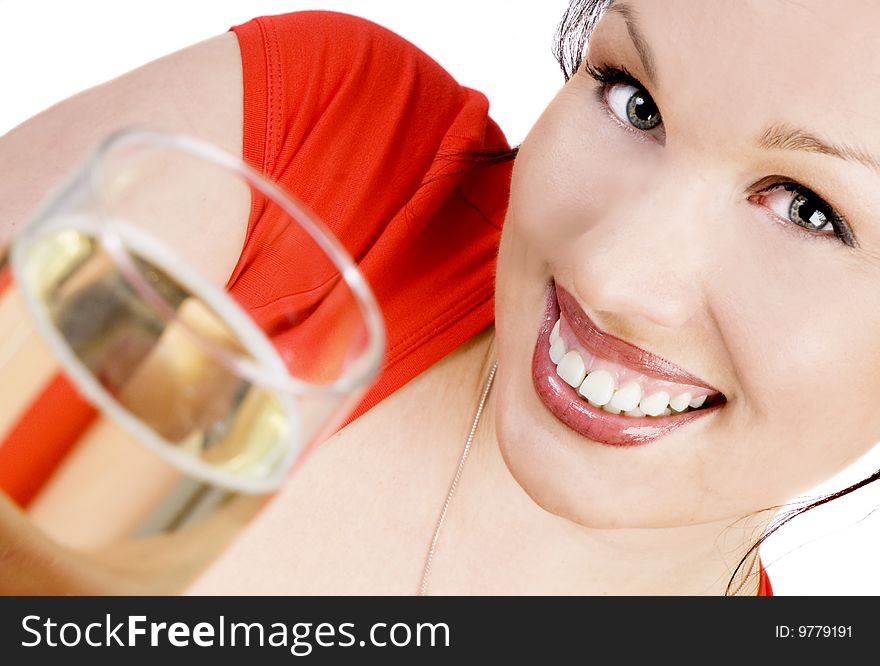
680 402
627 396
598 387
571 368
654 404
696 403
557 350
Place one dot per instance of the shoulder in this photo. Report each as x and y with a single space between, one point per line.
314 26
336 85
332 46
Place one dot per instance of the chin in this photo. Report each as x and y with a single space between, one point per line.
589 483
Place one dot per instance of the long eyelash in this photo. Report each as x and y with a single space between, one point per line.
838 222
610 74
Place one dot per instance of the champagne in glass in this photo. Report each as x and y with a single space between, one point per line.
115 284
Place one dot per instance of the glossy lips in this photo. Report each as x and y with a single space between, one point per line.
592 422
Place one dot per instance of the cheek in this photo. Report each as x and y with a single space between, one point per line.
804 352
569 168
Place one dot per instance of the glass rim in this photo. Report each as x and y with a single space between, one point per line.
219 299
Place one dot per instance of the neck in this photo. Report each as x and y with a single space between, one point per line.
528 550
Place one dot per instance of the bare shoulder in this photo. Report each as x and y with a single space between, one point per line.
358 516
197 91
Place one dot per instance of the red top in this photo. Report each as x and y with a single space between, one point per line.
364 128
765 589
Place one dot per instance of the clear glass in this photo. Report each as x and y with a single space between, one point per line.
115 288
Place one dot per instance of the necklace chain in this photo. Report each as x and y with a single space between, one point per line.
426 571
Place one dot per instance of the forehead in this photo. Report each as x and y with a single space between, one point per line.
807 62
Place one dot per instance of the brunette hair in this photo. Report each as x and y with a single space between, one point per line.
569 43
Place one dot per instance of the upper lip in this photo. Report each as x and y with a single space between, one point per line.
607 346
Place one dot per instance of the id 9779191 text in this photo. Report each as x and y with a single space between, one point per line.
813 631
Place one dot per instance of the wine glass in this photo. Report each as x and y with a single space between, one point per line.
232 388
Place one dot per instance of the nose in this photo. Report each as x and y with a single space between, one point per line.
645 252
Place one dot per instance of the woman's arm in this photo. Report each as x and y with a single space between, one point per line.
196 91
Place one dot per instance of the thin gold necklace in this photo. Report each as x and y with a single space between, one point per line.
426 572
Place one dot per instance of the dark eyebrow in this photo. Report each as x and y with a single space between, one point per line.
638 40
783 137
776 137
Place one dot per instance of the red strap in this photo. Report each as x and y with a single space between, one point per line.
45 432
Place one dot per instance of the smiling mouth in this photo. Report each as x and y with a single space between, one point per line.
607 389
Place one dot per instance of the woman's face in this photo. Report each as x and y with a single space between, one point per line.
706 235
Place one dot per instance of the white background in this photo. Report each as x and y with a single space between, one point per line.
50 49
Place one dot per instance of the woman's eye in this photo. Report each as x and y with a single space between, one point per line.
806 209
625 96
633 105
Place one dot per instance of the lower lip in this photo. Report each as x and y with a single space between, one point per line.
575 412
